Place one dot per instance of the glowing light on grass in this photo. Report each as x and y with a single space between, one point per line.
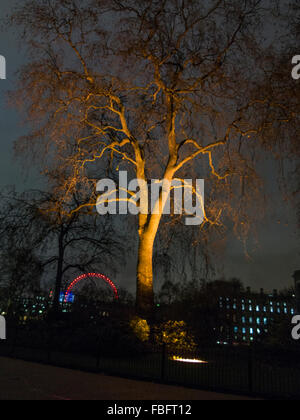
183 360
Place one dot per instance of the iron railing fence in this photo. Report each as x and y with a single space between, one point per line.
257 371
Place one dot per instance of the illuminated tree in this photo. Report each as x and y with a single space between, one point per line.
166 90
295 30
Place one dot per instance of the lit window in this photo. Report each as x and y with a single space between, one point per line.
258 321
272 310
257 309
265 321
243 307
244 331
292 311
251 320
251 331
236 329
258 331
250 308
243 320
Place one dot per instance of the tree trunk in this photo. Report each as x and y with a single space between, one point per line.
145 294
148 229
58 283
59 273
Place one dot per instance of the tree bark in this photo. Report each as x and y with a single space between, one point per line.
145 294
148 228
59 272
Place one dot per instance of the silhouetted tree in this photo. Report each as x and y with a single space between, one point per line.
35 240
21 273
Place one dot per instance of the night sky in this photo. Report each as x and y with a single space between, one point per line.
272 263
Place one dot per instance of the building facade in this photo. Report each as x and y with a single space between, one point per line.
248 316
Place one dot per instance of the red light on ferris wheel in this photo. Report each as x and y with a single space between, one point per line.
89 275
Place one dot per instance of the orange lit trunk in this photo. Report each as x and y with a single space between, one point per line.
145 294
148 228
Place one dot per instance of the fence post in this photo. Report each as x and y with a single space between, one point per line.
98 358
250 369
14 342
49 349
99 342
163 361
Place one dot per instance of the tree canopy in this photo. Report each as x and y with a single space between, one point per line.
165 90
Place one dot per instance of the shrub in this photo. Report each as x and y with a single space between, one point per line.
175 334
140 328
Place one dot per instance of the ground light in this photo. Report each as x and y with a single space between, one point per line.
183 360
